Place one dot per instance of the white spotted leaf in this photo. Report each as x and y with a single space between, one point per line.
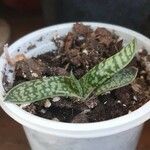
120 79
99 74
36 90
105 76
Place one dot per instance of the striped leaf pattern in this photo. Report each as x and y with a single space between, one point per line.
103 77
76 84
120 79
39 89
106 69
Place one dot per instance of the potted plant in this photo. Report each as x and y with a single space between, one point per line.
87 81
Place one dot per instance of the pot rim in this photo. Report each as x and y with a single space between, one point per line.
78 130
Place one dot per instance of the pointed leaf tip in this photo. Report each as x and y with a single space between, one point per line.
36 90
120 79
106 69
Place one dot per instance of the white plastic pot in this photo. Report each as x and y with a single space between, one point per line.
121 133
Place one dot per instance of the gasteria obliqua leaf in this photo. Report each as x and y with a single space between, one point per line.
103 77
120 79
106 69
76 84
36 90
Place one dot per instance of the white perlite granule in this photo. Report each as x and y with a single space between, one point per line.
55 119
85 51
135 98
43 111
47 104
56 99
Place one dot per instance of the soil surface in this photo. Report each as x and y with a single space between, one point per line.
80 50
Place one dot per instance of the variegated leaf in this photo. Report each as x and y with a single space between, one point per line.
76 84
106 69
36 90
120 79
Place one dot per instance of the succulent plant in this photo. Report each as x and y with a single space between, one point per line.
105 76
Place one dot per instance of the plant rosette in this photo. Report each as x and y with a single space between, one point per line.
122 132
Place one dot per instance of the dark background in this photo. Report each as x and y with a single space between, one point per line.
24 16
134 14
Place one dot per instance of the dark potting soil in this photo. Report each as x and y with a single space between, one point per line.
79 51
